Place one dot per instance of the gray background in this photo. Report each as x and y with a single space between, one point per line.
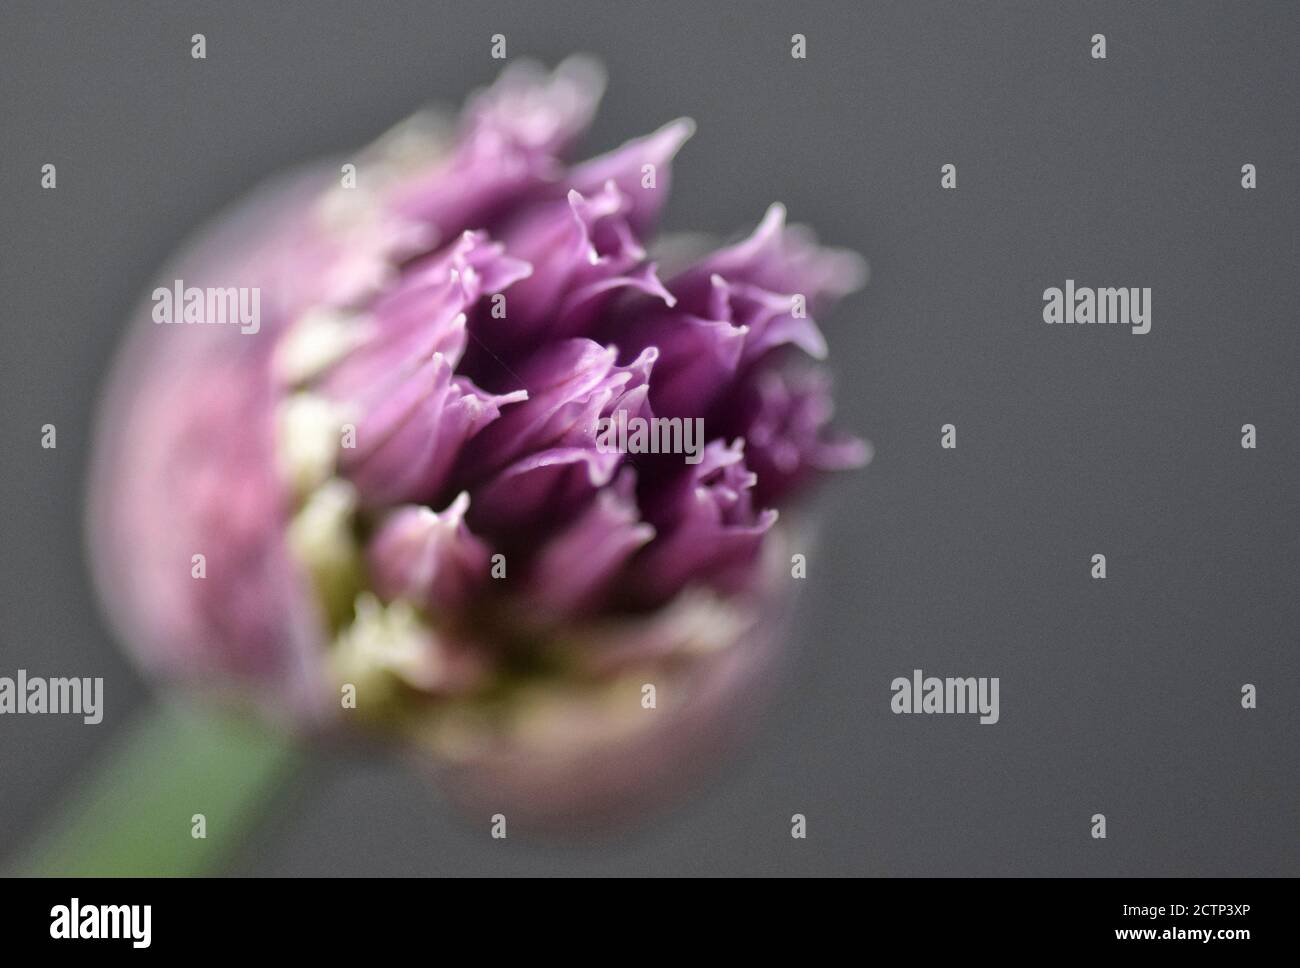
1120 697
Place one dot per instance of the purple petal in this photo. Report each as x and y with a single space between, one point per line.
570 385
780 259
550 485
582 251
784 418
733 307
709 530
579 565
512 136
429 558
698 357
422 314
411 431
445 284
625 167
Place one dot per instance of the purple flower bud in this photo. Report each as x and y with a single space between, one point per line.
476 460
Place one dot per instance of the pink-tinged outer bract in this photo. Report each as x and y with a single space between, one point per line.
387 501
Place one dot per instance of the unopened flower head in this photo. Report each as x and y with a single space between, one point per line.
486 469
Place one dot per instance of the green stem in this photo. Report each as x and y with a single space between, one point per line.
138 816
